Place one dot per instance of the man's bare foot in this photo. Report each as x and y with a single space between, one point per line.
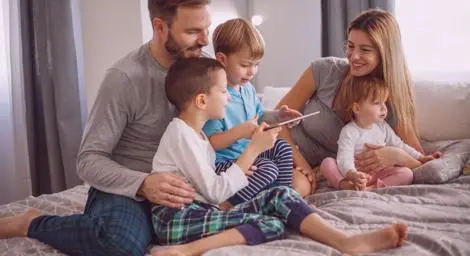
387 238
17 226
177 250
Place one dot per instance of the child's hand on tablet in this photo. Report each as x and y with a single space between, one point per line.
286 113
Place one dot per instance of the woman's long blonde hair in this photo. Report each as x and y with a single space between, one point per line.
382 29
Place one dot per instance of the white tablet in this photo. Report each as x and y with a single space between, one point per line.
291 120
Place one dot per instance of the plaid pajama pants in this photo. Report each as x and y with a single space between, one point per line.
259 220
274 167
111 225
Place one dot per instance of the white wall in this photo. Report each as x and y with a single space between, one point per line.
292 31
110 29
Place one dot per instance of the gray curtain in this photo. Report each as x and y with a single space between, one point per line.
52 96
336 15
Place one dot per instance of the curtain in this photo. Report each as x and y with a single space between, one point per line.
51 94
336 16
6 116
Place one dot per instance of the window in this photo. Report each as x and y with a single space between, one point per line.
4 51
435 35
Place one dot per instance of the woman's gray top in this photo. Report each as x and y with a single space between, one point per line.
317 137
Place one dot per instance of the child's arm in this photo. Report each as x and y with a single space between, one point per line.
393 140
284 113
223 139
346 143
193 162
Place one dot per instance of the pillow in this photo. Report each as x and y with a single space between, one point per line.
272 95
455 155
442 109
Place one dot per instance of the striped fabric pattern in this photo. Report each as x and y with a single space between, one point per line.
274 166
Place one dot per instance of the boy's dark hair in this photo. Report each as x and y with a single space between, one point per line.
166 9
188 77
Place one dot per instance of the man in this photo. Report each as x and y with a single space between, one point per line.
122 134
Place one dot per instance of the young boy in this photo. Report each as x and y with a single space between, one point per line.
197 88
239 47
367 113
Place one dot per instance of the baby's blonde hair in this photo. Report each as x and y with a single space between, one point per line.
364 88
237 34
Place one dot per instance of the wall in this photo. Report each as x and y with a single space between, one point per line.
293 39
110 29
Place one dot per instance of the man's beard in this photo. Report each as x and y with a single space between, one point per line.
175 50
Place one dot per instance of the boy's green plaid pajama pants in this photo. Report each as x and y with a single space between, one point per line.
259 220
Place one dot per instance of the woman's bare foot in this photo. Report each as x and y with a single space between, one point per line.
177 250
387 238
17 226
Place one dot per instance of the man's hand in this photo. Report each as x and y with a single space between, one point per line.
167 189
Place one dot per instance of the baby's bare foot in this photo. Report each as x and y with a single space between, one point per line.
17 226
387 238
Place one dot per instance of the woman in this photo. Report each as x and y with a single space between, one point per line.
373 48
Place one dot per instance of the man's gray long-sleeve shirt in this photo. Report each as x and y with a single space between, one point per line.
126 123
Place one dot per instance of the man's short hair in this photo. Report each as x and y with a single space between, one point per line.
237 34
188 77
166 9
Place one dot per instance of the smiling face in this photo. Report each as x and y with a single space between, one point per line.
188 32
361 53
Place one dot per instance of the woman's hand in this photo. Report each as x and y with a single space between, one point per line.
377 157
304 180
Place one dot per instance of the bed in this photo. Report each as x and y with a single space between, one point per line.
438 215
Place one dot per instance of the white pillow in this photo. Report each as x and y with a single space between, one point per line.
272 95
442 110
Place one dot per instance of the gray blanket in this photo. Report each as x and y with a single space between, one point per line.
438 217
